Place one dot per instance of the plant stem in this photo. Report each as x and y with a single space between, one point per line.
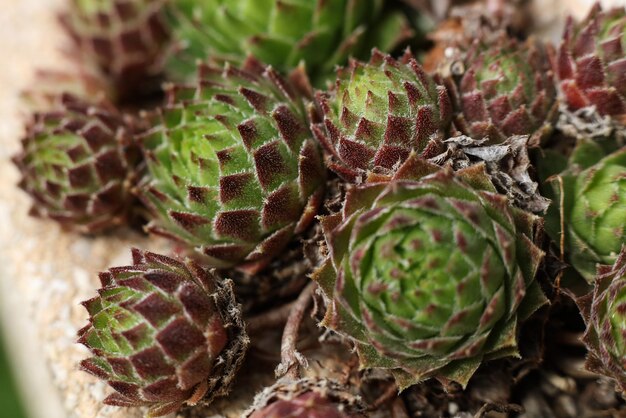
290 357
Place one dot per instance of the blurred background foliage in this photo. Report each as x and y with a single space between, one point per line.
10 401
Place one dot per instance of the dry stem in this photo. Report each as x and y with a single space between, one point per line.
290 357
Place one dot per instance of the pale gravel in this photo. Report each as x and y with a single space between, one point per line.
45 273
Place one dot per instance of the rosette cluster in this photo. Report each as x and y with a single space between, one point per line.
429 277
163 333
405 194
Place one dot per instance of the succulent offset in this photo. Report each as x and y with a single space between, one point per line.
320 33
604 312
126 39
430 277
306 398
78 164
233 168
378 113
507 89
589 197
591 63
163 333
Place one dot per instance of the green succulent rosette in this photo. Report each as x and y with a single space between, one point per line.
320 33
233 169
78 163
604 312
508 89
588 199
128 40
429 275
163 333
591 63
378 113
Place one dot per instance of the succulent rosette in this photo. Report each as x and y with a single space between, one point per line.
507 89
233 169
463 23
126 39
429 275
591 63
604 312
163 333
320 33
589 197
78 164
378 113
306 398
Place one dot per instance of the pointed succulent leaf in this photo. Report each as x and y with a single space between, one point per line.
431 275
233 168
163 333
